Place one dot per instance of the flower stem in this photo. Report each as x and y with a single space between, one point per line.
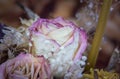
93 54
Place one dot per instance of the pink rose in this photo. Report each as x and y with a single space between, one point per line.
25 66
60 41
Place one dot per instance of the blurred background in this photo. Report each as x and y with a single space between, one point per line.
11 10
84 13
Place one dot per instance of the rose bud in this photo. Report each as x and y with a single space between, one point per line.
60 41
25 66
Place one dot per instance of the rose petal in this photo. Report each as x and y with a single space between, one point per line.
61 35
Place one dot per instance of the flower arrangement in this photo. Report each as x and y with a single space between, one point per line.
59 41
51 48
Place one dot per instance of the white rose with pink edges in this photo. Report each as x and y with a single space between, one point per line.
60 41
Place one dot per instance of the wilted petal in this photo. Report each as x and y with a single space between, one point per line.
25 66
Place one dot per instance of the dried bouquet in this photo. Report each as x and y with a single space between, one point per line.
48 49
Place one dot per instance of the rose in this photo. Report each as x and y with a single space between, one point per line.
25 66
60 41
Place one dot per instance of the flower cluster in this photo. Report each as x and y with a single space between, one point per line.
58 45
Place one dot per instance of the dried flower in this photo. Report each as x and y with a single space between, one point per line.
60 41
101 74
25 66
12 37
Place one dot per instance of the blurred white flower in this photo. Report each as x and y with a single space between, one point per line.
60 41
